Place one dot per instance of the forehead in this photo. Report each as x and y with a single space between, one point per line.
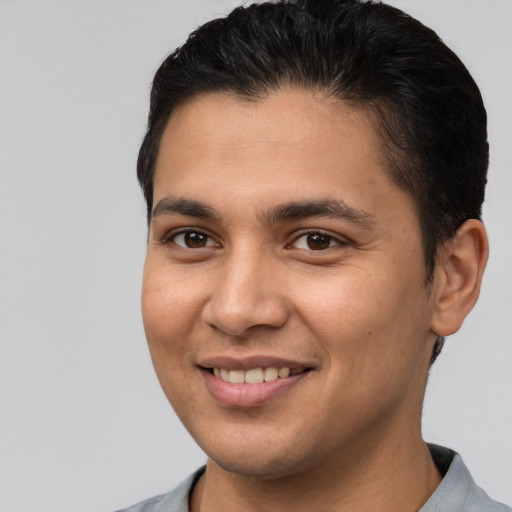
287 145
288 115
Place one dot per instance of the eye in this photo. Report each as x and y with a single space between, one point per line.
315 241
192 239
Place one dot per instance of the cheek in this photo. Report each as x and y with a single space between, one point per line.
359 314
167 302
164 318
167 317
373 336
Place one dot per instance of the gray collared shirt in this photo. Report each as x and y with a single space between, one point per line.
457 492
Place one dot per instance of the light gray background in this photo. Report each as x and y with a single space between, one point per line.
83 423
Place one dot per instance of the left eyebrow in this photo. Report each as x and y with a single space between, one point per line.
321 208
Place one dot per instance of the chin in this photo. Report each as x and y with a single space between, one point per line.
262 467
263 460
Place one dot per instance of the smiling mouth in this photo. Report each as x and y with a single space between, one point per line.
255 375
239 384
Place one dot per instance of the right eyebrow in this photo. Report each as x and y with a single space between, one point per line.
181 206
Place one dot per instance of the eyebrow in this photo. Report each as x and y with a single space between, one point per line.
182 206
280 213
332 208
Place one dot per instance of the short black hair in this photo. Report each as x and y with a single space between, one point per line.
427 108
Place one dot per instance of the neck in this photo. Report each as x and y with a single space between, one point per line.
397 477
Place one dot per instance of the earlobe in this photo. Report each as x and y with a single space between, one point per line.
458 275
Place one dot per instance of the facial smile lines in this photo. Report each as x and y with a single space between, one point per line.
254 375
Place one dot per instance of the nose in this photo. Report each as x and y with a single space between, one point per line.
247 294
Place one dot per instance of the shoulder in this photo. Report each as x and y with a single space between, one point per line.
458 492
174 501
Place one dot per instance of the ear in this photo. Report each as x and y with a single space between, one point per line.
458 275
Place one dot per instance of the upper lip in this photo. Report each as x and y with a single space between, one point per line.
247 363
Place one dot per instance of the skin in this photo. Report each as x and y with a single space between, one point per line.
343 295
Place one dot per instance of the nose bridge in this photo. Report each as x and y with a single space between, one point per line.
247 293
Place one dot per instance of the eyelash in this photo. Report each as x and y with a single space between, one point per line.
330 239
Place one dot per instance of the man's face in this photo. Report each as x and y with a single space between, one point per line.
278 241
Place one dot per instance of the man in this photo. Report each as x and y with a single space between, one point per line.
314 173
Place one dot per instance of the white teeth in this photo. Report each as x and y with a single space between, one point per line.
252 376
284 372
237 376
271 374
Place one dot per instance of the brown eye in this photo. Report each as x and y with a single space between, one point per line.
193 240
318 241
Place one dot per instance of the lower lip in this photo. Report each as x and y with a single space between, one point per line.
248 395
